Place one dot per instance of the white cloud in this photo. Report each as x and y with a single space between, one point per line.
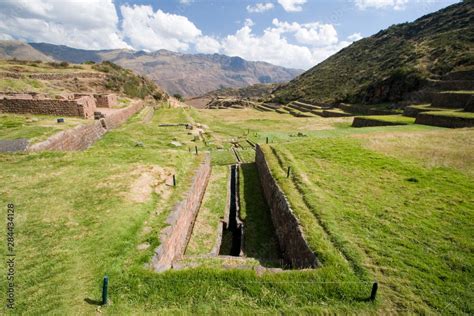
355 37
381 4
91 24
249 22
207 45
186 2
313 34
149 30
260 7
318 41
292 5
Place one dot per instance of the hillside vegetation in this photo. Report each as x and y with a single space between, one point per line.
25 76
392 62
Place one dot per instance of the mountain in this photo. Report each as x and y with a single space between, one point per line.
391 63
186 74
20 50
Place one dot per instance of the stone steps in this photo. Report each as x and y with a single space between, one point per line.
444 120
308 106
334 113
414 110
451 85
262 108
451 100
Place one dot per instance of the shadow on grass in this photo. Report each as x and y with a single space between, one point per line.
260 241
92 302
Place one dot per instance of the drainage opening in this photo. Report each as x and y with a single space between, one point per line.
232 231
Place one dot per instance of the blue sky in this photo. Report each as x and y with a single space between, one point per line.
291 33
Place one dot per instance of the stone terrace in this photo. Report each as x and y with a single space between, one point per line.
81 105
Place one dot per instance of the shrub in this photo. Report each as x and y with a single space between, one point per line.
178 96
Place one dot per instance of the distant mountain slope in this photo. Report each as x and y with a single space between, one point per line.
187 74
389 64
20 50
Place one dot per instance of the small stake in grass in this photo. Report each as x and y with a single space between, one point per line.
288 172
174 180
373 294
196 148
267 140
105 286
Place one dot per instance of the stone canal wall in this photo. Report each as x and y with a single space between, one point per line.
295 250
175 237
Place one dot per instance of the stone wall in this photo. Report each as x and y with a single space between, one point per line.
78 138
174 238
450 100
367 122
295 250
82 107
444 121
53 76
106 100
81 137
119 116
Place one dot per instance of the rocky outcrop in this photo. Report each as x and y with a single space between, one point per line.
295 250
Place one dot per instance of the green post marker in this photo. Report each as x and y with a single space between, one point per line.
267 140
105 286
196 148
373 294
174 180
288 172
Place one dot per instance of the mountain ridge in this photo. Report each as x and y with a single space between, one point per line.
185 74
392 63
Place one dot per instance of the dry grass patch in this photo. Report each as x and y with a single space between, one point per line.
443 148
150 179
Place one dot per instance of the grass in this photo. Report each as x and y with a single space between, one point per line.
259 236
35 128
212 211
73 218
402 205
461 114
40 67
435 149
460 91
363 212
391 119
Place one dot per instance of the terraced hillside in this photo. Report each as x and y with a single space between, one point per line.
391 63
53 78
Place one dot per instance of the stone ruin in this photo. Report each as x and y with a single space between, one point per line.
70 104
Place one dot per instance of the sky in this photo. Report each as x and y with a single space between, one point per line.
289 33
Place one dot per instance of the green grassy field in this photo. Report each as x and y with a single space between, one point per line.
467 115
368 212
391 119
409 225
34 127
